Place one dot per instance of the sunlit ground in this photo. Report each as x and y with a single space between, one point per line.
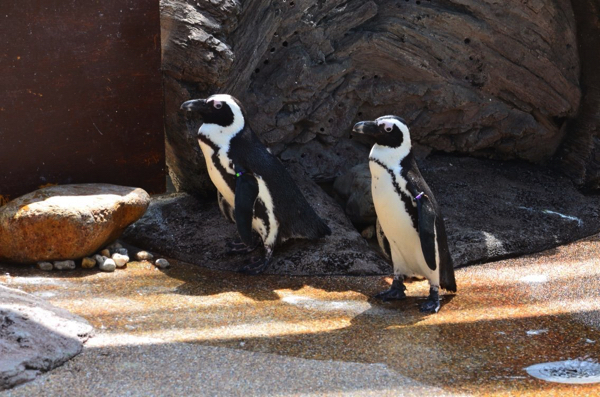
506 316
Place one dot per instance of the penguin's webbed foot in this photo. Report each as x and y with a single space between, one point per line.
432 304
236 247
396 291
258 266
255 267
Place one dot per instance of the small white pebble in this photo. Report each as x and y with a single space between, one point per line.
46 266
162 263
105 252
144 256
88 263
108 265
64 265
120 260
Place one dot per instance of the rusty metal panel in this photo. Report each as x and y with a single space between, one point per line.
80 94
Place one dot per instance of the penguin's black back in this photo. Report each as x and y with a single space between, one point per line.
295 216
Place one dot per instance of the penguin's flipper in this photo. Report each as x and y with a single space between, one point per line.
246 191
427 229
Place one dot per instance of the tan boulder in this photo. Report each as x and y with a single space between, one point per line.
67 222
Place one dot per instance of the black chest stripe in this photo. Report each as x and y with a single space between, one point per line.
408 203
227 177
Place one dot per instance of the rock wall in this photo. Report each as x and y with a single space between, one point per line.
579 156
492 79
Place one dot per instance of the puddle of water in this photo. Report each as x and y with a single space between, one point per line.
579 371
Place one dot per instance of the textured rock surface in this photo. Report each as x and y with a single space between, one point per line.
498 209
580 154
355 189
35 336
67 222
184 228
494 79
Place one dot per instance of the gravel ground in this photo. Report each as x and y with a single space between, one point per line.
146 367
192 331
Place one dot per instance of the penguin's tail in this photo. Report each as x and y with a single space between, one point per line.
447 280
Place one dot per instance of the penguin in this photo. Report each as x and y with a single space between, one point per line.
254 190
410 227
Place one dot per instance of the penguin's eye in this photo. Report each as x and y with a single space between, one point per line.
218 105
388 129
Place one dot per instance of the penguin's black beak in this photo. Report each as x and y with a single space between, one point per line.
194 105
365 128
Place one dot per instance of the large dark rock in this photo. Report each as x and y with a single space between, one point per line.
188 229
35 337
493 79
496 209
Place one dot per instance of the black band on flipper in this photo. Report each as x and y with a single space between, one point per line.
246 191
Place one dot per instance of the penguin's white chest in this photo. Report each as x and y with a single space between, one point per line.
215 175
396 222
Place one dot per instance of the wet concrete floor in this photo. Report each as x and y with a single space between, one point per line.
506 316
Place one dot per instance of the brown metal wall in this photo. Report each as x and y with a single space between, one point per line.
80 94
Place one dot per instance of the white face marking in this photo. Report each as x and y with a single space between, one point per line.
387 124
390 156
222 135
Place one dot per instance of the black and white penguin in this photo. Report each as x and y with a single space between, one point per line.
410 226
254 189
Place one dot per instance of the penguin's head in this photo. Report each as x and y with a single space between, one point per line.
219 112
390 131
